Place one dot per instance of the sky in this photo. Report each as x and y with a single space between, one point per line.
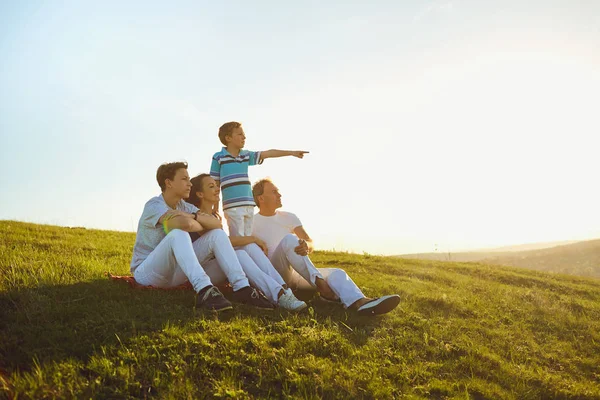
431 125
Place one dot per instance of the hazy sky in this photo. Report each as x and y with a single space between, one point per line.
448 124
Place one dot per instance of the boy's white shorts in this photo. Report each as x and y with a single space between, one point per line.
239 220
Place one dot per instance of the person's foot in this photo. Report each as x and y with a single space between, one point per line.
252 297
379 306
289 302
325 290
331 301
211 299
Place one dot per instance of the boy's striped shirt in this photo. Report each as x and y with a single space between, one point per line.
232 174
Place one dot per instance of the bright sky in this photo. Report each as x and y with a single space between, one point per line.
430 124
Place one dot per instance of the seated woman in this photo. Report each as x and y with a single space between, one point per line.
249 249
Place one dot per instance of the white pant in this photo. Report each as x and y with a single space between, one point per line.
176 260
260 271
269 286
300 273
239 220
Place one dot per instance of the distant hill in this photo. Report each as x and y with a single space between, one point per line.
579 258
527 246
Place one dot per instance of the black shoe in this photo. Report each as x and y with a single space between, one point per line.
380 305
252 297
210 299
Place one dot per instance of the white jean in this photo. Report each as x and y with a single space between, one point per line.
176 260
260 271
239 220
264 277
256 276
300 273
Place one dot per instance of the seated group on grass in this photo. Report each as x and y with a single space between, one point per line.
179 241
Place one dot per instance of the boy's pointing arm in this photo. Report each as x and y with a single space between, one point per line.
282 153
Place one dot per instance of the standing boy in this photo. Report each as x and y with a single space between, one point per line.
229 169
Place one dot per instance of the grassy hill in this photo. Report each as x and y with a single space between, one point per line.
461 331
579 258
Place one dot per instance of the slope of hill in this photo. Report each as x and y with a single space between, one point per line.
579 258
461 331
449 256
527 246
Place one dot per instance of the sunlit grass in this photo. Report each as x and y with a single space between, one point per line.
461 331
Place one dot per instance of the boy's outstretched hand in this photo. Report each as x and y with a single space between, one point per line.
299 153
273 153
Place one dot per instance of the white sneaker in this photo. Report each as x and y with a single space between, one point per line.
289 302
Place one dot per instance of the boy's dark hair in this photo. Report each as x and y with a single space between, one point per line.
259 188
168 171
227 129
196 187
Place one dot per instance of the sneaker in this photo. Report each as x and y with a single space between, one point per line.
289 302
211 299
252 297
380 305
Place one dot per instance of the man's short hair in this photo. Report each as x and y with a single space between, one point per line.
168 171
227 129
259 188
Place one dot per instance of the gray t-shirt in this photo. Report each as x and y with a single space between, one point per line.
150 232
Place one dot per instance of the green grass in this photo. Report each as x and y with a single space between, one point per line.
461 331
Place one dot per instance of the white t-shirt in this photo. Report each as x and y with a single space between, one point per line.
272 229
150 232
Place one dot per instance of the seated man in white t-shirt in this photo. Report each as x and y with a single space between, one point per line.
288 248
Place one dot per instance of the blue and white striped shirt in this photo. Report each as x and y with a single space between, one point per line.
232 174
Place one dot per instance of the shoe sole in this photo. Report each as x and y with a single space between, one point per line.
256 307
226 308
329 301
384 306
302 308
215 310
